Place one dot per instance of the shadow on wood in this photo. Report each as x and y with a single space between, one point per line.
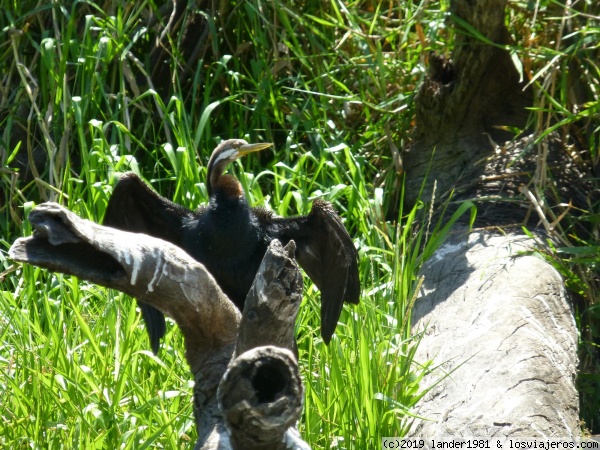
497 322
246 356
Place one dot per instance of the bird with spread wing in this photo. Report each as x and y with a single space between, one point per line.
230 238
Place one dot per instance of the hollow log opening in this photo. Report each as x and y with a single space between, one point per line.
269 381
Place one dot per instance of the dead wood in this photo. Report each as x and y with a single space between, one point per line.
261 398
497 322
466 102
164 276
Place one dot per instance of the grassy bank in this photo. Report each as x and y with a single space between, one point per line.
330 83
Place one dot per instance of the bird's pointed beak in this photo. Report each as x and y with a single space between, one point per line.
251 148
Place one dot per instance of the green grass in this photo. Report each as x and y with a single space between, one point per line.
76 370
330 83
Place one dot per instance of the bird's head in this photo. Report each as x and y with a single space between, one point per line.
225 153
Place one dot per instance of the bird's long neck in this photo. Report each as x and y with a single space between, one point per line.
225 187
216 178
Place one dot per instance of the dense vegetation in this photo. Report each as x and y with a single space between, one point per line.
86 94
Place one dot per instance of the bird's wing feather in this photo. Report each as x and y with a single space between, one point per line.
135 207
327 254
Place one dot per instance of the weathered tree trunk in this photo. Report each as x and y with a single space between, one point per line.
498 323
464 101
260 396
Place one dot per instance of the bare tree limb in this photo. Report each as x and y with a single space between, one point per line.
272 303
153 270
164 276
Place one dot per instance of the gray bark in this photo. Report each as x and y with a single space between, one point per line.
498 323
164 276
271 374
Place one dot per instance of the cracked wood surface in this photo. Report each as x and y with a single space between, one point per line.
498 322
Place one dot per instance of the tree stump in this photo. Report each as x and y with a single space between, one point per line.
465 101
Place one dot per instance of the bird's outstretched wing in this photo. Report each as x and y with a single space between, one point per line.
135 207
326 253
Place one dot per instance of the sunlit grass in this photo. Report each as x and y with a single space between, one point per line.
329 83
75 361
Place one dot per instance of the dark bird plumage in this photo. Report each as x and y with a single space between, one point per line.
230 238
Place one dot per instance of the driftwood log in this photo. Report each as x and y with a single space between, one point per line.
496 322
248 392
